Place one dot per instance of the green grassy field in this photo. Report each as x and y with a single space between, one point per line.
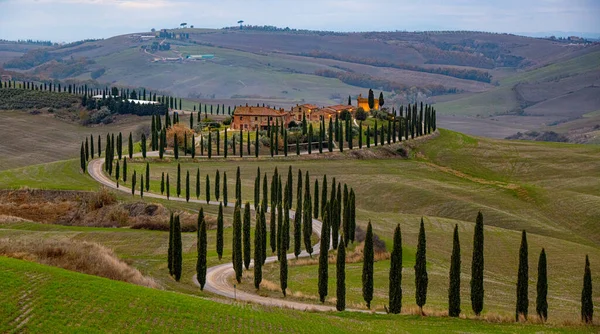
547 189
96 304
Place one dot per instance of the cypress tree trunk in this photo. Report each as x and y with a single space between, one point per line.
177 249
170 250
283 266
237 243
454 289
367 273
341 278
477 267
246 235
522 280
421 279
541 302
323 256
258 235
220 232
395 288
587 303
202 243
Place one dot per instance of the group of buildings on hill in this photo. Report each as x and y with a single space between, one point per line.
251 117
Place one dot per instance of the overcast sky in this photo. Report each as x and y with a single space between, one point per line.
69 20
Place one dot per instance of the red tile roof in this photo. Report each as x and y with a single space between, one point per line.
257 111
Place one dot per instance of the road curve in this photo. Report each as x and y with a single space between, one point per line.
217 276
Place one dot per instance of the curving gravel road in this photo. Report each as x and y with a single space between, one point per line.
217 276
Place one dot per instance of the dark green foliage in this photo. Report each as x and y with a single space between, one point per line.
395 289
323 256
587 303
273 228
297 232
258 235
523 280
307 217
168 187
371 99
236 255
246 235
352 219
124 169
238 185
170 249
341 278
265 194
263 222
198 183
421 279
220 232
143 144
147 176
367 273
202 245
225 188
187 186
541 302
133 182
142 186
217 185
316 205
82 161
323 195
283 266
285 233
477 267
162 183
207 190
256 191
279 230
177 250
178 189
454 289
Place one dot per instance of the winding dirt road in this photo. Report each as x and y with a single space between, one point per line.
217 276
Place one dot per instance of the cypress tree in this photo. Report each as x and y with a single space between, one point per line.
360 135
522 280
395 288
273 228
368 136
82 163
324 256
225 148
170 250
454 289
168 188
125 170
283 266
87 150
92 146
323 195
352 219
257 190
279 230
330 136
209 144
225 188
263 222
316 205
477 267
264 200
289 186
541 302
367 273
341 278
147 176
298 228
220 232
587 303
193 151
133 181
258 235
237 243
421 279
144 146
217 185
117 173
202 243
187 186
178 189
307 217
246 235
207 189
177 249
198 183
238 185
286 229
162 183
256 143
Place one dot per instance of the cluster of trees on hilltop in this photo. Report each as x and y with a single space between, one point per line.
29 42
286 29
468 74
367 81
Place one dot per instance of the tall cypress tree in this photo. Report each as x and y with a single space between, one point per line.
170 249
454 289
225 188
202 245
477 267
421 279
522 280
273 228
198 183
82 163
395 287
352 219
283 266
323 195
237 243
238 185
297 231
367 273
177 249
317 204
92 146
307 217
246 235
220 232
587 303
124 169
162 183
217 185
279 230
341 278
257 190
258 235
264 200
187 186
168 187
207 190
178 189
324 257
541 302
147 176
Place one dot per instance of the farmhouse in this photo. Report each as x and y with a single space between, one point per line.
251 118
364 103
303 109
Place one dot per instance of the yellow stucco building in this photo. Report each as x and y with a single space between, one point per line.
363 102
